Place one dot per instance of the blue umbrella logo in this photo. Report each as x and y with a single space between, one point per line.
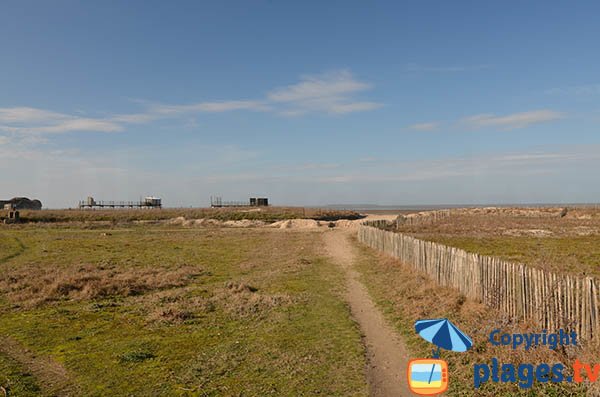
443 334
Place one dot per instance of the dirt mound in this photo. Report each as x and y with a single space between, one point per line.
180 220
244 223
528 232
347 224
207 222
297 224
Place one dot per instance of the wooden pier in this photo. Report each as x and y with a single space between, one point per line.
148 202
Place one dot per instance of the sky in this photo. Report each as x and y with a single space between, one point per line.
307 103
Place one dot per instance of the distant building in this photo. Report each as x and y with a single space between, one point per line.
147 202
217 202
21 203
259 202
152 202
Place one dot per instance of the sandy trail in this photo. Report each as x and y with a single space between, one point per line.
386 353
51 376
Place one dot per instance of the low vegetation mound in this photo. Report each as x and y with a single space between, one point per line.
34 285
555 239
123 216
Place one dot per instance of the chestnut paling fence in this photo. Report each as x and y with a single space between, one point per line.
553 301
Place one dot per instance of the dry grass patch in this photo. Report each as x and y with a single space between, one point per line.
243 300
236 299
33 285
174 306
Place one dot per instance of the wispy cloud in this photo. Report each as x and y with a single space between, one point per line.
430 126
29 115
317 166
529 163
332 93
79 124
539 157
161 111
585 89
367 159
413 67
209 107
514 120
32 120
60 177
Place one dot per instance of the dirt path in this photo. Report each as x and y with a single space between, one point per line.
386 353
50 375
18 252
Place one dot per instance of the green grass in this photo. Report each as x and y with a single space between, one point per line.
573 254
16 380
124 216
10 247
252 312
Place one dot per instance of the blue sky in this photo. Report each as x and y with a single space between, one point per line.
308 103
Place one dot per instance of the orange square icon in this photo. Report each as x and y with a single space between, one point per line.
427 376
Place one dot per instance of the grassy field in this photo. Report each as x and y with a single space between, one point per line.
123 216
152 311
405 296
568 244
572 254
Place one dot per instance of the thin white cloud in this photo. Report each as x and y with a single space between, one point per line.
19 115
500 164
135 118
79 124
210 107
317 166
328 85
413 67
60 177
343 108
514 120
40 121
4 140
430 126
159 111
368 159
585 89
536 157
329 93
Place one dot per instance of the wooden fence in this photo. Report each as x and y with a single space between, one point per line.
551 300
423 218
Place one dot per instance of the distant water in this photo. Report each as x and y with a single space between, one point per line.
416 207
